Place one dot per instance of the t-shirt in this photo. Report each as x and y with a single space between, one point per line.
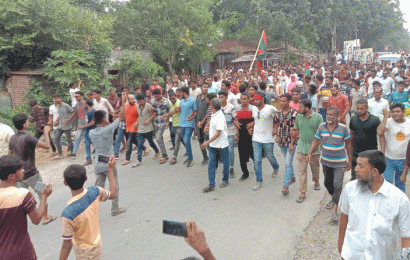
80 109
90 118
72 94
356 95
376 107
187 106
154 87
397 97
64 112
54 112
341 103
294 105
262 131
5 134
313 99
103 105
175 117
229 112
80 220
194 93
15 205
364 133
131 116
397 138
23 146
307 129
144 114
218 123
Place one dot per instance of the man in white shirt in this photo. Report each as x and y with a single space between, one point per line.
73 90
372 79
226 85
5 133
339 57
371 210
377 103
216 83
387 83
218 144
194 91
102 103
262 139
393 144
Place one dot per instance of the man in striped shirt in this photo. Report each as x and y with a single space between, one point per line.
335 139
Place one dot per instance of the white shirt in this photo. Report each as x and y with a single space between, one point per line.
376 107
53 111
194 93
5 133
387 85
216 84
373 219
371 80
232 99
72 93
262 131
339 58
218 123
103 105
397 138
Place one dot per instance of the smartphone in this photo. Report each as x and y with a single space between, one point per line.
174 228
103 158
39 187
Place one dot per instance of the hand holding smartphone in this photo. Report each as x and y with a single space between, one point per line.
174 228
39 187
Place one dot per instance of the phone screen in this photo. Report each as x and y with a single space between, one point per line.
174 228
39 187
103 158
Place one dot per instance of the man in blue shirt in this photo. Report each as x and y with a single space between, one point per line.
188 109
88 127
399 96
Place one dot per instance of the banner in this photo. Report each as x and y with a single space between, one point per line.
364 55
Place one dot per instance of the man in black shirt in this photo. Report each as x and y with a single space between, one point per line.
24 146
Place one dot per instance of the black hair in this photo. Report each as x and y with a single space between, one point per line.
33 102
80 93
216 78
137 87
242 88
227 83
89 102
9 164
99 116
376 159
71 84
306 103
75 176
262 85
245 94
171 93
286 95
355 81
362 101
19 120
254 86
204 83
122 89
401 83
312 89
97 91
334 86
319 77
397 105
57 95
140 97
298 90
329 77
156 91
185 90
211 96
223 93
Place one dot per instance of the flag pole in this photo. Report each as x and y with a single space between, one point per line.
254 58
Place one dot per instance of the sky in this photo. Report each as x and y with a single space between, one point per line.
405 8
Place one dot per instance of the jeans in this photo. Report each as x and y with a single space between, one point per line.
178 140
334 182
38 134
118 141
57 140
257 153
214 153
289 173
186 133
394 169
87 145
159 129
201 140
79 136
141 138
231 149
323 112
100 182
172 134
132 139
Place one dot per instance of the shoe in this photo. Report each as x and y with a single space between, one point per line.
329 205
117 158
156 156
208 189
173 161
190 163
136 164
258 185
317 186
60 156
163 159
87 163
172 148
335 217
292 180
71 155
186 161
204 162
53 154
223 185
231 173
243 177
123 149
275 173
146 152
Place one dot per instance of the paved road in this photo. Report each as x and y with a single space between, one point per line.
239 223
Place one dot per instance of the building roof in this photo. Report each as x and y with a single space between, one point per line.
232 45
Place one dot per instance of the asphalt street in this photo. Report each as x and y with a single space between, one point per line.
239 223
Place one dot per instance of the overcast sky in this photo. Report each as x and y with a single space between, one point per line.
405 8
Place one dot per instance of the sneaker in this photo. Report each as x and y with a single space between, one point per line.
204 162
186 161
172 148
335 217
156 156
87 163
243 177
317 186
190 163
71 155
208 189
258 185
275 173
231 173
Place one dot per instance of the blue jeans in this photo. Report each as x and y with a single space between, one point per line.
79 136
394 169
87 145
118 141
257 153
186 133
289 164
172 134
141 138
231 149
214 153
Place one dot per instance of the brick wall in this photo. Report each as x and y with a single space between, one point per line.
18 84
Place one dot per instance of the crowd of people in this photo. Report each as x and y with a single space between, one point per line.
341 116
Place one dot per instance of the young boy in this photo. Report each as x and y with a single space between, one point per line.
399 96
80 218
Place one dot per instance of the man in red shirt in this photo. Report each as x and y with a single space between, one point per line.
155 82
340 101
131 123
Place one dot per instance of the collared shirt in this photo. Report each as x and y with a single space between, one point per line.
162 109
103 105
364 133
370 81
113 101
355 96
333 145
307 127
40 116
144 114
387 85
340 102
175 117
376 107
80 218
54 112
218 123
232 99
286 123
64 113
187 106
314 101
213 90
373 219
202 106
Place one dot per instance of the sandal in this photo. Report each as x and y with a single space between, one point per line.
125 162
285 190
146 152
223 185
329 205
317 186
52 218
136 164
335 217
300 199
163 159
173 161
118 212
